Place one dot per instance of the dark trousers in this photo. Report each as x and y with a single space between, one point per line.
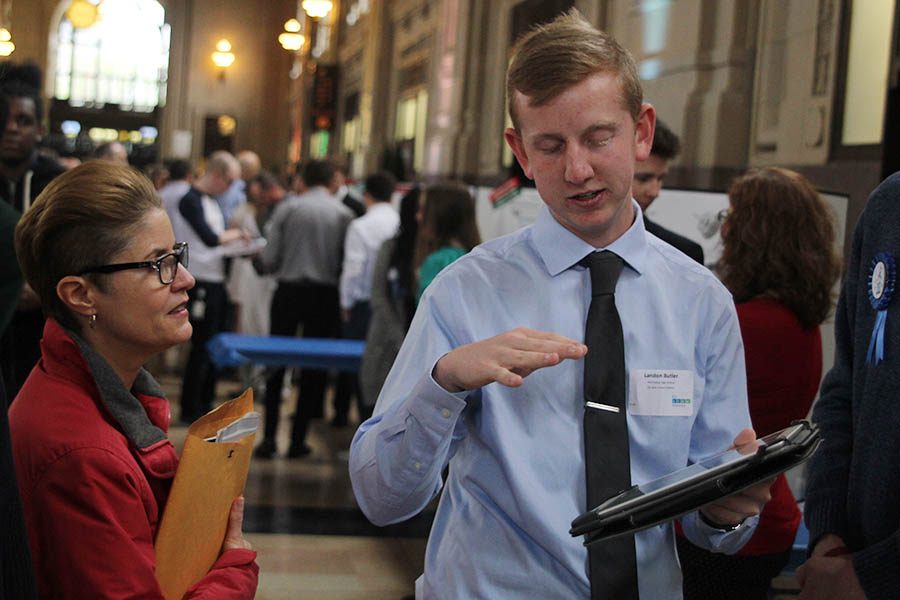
712 576
20 348
348 383
208 307
16 573
316 307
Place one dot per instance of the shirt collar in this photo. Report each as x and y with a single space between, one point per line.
561 249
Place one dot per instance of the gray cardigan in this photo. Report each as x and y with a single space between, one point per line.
387 329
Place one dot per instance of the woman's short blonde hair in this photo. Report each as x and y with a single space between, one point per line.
552 58
83 218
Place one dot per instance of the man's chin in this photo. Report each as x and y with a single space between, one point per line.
10 161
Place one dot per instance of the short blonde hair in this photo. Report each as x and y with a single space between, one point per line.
553 57
83 218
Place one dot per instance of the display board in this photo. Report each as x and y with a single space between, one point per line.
694 214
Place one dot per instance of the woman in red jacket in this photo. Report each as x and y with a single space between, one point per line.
778 261
92 459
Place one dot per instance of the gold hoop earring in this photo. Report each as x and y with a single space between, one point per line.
93 320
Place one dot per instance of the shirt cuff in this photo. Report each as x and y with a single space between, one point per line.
718 540
435 407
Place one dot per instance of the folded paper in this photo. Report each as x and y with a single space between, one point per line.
210 476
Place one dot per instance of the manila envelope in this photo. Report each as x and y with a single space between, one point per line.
210 476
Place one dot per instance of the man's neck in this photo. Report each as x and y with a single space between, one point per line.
14 170
202 184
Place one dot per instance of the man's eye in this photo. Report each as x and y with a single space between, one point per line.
599 142
549 148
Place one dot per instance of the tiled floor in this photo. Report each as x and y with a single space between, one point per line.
326 567
302 519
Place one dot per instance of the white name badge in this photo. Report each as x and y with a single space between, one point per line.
661 393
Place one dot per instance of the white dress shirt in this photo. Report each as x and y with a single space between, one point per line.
364 238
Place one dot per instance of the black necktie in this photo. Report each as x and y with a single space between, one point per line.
613 564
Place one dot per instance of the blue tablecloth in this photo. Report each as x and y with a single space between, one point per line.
798 551
231 349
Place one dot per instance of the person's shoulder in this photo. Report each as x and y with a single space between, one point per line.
291 203
682 243
47 167
767 312
673 258
681 272
505 246
41 424
441 258
763 304
884 199
495 256
192 195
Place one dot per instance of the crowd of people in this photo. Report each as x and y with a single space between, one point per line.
504 376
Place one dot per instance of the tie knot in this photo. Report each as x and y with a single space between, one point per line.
605 269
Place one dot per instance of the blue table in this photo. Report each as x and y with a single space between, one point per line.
232 349
798 550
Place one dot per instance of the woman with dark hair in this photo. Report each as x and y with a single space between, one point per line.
447 230
393 302
93 463
779 263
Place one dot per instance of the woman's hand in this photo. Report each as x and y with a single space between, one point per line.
234 535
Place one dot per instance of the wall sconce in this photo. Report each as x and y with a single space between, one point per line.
317 9
6 45
223 57
291 39
82 14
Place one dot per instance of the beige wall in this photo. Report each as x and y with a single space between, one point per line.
735 79
254 90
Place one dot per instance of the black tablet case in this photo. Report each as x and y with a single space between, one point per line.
602 523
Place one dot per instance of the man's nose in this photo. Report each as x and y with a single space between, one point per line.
578 169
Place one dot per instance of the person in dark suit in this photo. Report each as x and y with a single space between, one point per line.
16 572
648 179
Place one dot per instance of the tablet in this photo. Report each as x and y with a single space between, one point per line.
685 490
242 247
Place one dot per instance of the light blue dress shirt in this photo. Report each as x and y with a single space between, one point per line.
232 198
516 455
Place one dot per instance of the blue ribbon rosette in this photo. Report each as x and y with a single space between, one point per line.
882 276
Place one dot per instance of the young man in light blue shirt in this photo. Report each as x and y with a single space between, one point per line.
489 379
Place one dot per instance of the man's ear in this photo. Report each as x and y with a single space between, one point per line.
518 147
78 294
643 132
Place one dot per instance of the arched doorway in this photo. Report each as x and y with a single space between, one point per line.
107 77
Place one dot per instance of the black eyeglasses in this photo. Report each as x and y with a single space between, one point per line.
722 215
166 266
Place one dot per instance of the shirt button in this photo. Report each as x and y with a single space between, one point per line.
445 413
418 466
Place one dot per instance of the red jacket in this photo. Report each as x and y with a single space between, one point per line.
784 367
94 468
